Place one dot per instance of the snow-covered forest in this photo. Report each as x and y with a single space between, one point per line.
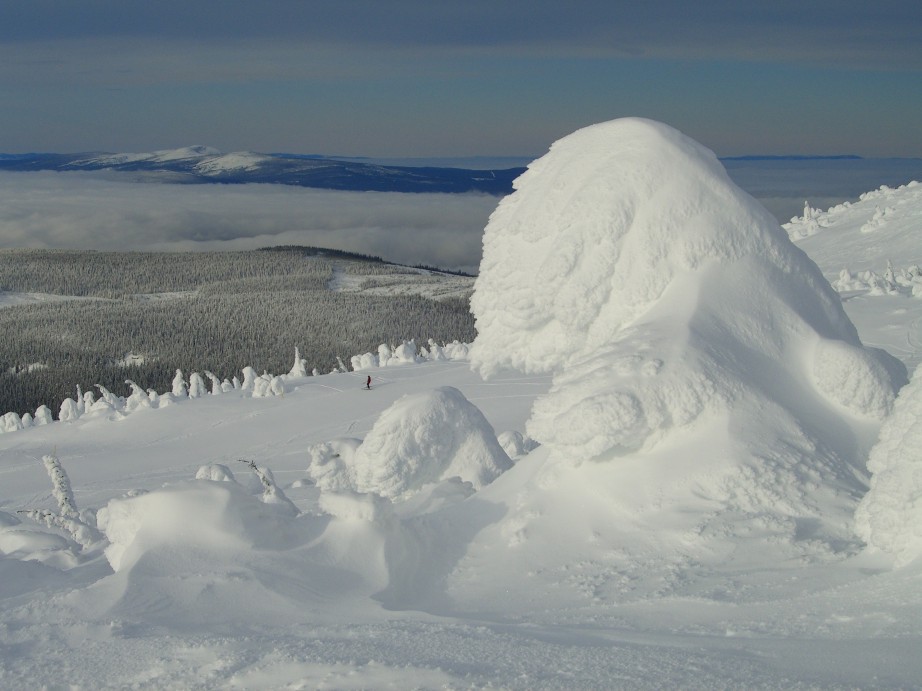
88 318
682 451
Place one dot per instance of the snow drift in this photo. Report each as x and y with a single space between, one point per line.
672 309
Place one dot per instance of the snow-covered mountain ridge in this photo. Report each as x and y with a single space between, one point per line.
203 164
771 179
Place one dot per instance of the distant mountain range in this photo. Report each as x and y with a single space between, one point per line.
494 176
201 164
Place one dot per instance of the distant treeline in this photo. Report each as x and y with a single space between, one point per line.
193 311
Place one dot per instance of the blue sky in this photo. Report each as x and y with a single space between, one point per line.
466 78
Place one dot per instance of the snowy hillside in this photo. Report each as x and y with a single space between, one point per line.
871 251
660 480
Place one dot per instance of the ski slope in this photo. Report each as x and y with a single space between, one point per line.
386 539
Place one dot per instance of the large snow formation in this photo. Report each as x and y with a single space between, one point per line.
669 305
890 515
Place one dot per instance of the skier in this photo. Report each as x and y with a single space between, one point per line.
368 382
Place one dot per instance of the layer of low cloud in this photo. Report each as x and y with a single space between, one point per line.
86 211
111 212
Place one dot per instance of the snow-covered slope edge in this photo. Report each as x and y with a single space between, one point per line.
870 251
869 263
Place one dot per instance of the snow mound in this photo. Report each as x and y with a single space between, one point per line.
29 543
669 304
426 438
217 516
330 466
348 505
216 472
853 377
890 515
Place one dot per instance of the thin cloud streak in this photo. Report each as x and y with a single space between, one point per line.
862 33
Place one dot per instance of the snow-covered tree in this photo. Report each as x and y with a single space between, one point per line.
10 422
299 368
43 415
68 518
113 401
406 352
197 387
249 378
435 351
272 493
69 410
179 385
138 397
216 386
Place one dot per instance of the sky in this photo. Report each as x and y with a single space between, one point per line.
419 78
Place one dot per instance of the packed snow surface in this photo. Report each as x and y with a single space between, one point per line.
689 414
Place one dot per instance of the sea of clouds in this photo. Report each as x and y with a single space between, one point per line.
109 211
89 211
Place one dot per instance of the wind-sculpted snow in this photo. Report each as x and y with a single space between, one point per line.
419 440
601 227
889 517
666 301
216 515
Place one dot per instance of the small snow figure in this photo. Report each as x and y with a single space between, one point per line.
368 382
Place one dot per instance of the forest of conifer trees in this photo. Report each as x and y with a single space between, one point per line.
143 315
